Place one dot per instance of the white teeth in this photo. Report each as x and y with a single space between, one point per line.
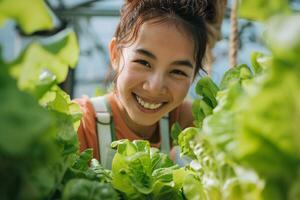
147 105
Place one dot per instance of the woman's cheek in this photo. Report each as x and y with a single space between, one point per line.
182 88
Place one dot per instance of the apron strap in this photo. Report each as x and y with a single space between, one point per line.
164 134
105 130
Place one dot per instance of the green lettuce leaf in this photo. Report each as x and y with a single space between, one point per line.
141 172
207 89
78 189
236 75
184 139
31 15
45 65
193 189
200 110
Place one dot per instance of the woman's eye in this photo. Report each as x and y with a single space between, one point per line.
179 72
142 62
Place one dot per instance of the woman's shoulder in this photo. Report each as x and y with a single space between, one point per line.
86 107
87 129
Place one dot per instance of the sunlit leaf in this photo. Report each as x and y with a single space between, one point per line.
207 89
65 48
31 15
262 9
193 189
36 59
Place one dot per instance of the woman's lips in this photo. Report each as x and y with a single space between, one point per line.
146 105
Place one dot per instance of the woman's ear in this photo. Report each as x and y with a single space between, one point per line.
113 53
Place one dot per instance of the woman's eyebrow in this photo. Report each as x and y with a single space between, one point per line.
186 63
145 53
151 55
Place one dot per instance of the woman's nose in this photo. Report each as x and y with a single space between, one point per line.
155 84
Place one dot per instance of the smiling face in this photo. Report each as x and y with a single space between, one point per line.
154 72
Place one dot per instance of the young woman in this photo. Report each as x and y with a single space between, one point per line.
156 52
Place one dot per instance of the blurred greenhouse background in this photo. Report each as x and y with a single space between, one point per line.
245 143
94 22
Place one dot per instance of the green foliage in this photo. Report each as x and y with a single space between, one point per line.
212 174
294 192
78 189
207 89
270 129
41 66
141 172
236 75
31 15
184 139
203 107
38 120
28 137
263 8
87 179
20 108
256 119
193 188
255 123
200 109
282 38
175 131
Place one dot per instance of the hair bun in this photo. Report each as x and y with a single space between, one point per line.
215 10
211 10
192 7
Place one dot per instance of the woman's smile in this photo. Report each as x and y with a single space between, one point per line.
146 105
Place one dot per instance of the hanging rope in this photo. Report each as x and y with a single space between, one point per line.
233 40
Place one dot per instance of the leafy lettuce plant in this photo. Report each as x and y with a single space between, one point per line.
256 119
38 139
142 172
212 174
87 179
270 121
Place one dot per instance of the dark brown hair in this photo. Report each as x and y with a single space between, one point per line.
187 14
